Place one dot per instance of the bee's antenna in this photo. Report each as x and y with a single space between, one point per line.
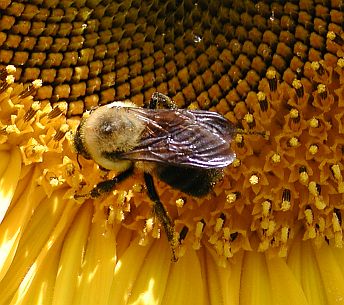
264 134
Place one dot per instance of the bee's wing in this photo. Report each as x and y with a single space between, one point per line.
184 138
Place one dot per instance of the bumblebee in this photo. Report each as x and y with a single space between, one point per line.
187 149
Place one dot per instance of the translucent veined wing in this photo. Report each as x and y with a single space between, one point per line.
191 138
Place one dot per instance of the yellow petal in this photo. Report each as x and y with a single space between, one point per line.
151 281
71 257
294 259
185 285
255 285
15 222
33 240
4 159
310 276
98 265
285 289
127 269
339 255
37 285
231 281
331 274
9 180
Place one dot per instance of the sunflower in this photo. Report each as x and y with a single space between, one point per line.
270 232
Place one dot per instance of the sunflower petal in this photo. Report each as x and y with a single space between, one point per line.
9 180
255 286
331 274
310 276
127 269
12 228
152 279
282 280
46 216
71 257
185 285
98 265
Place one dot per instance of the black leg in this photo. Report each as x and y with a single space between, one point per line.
107 185
161 99
161 213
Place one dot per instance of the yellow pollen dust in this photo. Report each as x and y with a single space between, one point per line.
294 113
261 96
236 162
314 122
335 222
238 138
285 205
254 179
340 62
248 118
199 229
309 216
37 83
218 225
331 35
296 84
276 158
271 74
336 171
10 79
315 65
10 69
312 187
285 234
231 198
313 149
303 177
180 202
266 205
293 142
321 88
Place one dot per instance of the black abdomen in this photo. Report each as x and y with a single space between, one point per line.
193 181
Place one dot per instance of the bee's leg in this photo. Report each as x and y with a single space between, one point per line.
161 213
161 99
107 186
